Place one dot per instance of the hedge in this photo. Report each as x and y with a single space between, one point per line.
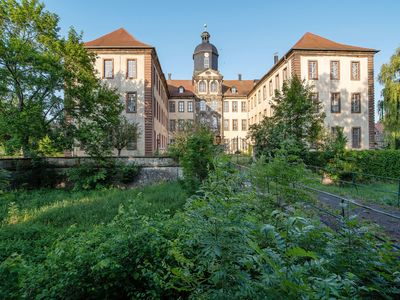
376 162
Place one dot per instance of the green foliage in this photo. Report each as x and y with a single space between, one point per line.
38 174
227 243
100 174
195 150
296 117
5 178
389 77
48 81
124 133
384 163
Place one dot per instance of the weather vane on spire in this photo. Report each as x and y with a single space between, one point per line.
205 27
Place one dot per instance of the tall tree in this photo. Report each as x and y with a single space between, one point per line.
389 77
48 84
296 117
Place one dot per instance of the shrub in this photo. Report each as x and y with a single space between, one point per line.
5 178
39 174
98 174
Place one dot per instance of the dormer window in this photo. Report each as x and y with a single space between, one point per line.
214 87
181 90
234 90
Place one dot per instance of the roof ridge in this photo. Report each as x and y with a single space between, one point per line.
117 38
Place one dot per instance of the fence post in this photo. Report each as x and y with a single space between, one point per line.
342 205
398 195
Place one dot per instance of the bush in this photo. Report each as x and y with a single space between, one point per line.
39 174
5 178
384 163
98 174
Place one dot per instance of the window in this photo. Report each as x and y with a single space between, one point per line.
259 96
181 90
108 68
203 106
172 106
356 103
315 101
214 87
234 90
190 106
270 88
226 124
335 70
277 85
202 87
226 106
264 92
265 112
284 74
244 125
234 106
313 69
172 125
234 125
235 144
132 144
181 106
214 105
356 137
131 68
131 102
335 102
243 108
181 124
355 70
206 62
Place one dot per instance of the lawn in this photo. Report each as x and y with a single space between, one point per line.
385 193
31 221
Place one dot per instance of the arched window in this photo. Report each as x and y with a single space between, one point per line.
181 90
202 87
214 87
234 90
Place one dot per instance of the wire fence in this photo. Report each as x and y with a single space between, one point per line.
340 208
385 190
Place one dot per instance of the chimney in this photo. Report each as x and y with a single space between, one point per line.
275 58
169 76
239 76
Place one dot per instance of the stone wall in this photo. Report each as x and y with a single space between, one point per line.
152 169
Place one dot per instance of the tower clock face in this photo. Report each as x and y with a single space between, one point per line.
205 54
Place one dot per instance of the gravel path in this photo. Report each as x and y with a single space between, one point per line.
389 224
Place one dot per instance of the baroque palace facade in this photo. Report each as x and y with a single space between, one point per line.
342 76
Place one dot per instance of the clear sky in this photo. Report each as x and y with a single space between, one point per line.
246 33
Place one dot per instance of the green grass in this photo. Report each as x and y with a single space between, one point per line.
377 192
32 220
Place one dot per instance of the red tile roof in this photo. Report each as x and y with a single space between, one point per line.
310 41
173 86
119 38
243 87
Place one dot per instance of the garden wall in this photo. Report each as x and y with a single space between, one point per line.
152 169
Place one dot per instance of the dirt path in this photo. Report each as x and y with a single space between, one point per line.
389 224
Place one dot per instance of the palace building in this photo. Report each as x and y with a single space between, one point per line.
342 76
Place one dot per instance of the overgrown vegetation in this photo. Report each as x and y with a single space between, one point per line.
100 174
195 150
233 240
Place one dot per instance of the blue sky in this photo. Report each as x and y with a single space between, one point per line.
246 33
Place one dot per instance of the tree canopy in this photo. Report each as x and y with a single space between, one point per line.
297 117
389 77
48 86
